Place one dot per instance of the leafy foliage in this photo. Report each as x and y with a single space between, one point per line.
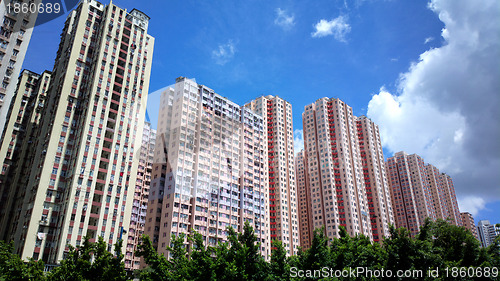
91 261
13 268
438 245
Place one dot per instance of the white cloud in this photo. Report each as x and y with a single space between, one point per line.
337 27
447 105
471 204
283 19
298 141
428 40
224 53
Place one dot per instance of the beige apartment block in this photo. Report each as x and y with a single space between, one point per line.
469 224
15 34
374 174
420 191
83 177
210 168
141 196
278 124
304 200
334 168
17 148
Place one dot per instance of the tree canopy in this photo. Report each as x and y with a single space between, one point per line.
438 246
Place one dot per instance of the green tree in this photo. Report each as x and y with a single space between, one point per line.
454 244
201 265
245 253
91 261
12 267
352 252
159 267
407 253
318 255
493 252
279 268
224 263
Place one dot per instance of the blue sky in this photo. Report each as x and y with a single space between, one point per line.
399 62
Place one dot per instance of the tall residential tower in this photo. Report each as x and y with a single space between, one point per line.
377 187
15 34
83 177
344 174
141 197
209 170
17 149
419 191
278 127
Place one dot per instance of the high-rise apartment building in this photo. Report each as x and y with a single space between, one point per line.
411 191
17 149
377 187
278 127
420 191
487 232
304 199
446 195
210 168
468 223
334 170
83 178
15 34
141 195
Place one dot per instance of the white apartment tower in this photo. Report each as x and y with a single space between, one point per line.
210 168
17 149
83 178
15 34
278 127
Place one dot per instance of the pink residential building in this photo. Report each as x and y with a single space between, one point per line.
278 125
420 191
344 179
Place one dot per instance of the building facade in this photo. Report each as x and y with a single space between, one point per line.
334 168
16 150
306 231
141 196
404 198
468 223
420 191
210 169
377 186
83 177
278 127
15 35
487 232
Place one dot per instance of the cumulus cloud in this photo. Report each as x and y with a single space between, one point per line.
428 40
284 20
472 204
338 27
298 140
446 108
224 53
